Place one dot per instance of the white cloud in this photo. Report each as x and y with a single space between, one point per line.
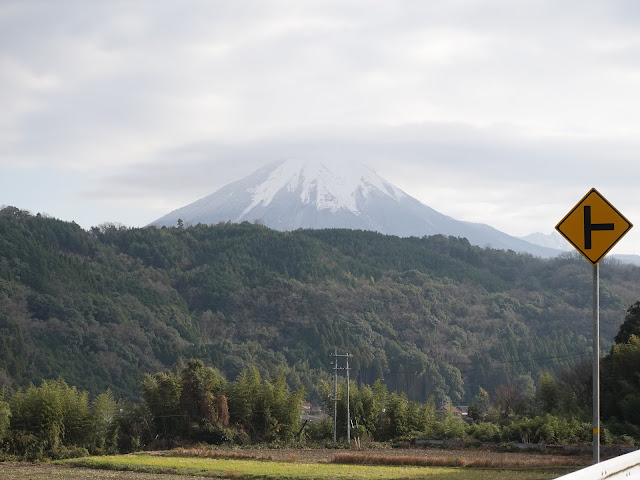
493 110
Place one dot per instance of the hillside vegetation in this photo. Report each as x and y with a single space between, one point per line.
427 316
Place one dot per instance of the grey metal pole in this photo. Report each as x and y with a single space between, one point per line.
348 411
335 394
596 364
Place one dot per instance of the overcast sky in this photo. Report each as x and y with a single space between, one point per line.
504 112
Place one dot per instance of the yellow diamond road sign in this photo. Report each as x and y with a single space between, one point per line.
593 226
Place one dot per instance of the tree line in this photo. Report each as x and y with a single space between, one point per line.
197 404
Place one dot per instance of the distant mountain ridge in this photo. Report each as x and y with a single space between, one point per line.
308 194
555 241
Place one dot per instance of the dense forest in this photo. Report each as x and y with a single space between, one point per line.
427 317
196 404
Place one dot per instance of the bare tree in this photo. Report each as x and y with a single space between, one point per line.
508 399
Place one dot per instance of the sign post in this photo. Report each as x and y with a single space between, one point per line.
593 227
596 363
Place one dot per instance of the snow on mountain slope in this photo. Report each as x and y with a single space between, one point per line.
328 187
306 194
553 240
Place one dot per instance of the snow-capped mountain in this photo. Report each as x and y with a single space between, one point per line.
307 194
552 240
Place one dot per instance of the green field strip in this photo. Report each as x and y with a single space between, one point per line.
269 470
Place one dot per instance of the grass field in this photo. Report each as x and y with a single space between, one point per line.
44 471
165 467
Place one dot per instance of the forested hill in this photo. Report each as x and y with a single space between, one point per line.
432 316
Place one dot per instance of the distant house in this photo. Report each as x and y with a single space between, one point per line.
457 411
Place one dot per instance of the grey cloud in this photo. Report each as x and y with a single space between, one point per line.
136 85
455 153
495 176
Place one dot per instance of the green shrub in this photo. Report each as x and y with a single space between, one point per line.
5 414
318 431
28 447
240 437
449 427
70 452
212 434
485 432
626 440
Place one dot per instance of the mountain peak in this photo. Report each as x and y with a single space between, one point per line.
326 185
296 194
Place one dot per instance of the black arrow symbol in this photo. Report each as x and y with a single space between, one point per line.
592 227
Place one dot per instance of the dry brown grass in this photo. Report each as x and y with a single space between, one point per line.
211 453
441 461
